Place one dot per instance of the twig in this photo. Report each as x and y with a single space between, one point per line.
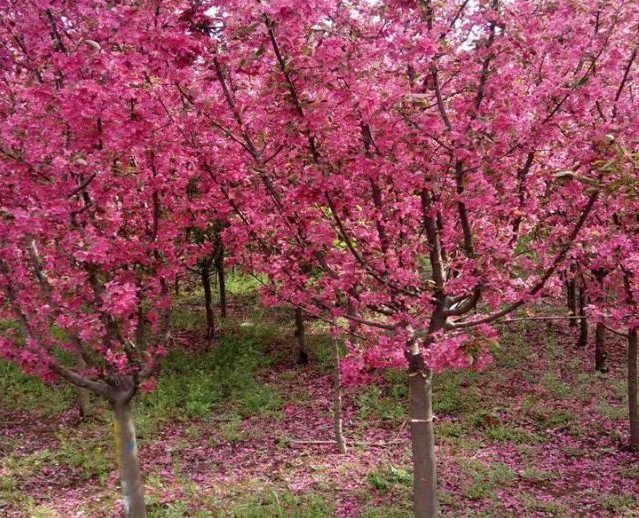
381 444
567 317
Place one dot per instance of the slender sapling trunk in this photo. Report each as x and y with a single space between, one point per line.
338 414
601 348
300 335
83 394
583 321
221 279
571 292
633 389
127 454
205 274
425 501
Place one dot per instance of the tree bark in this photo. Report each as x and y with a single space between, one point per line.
127 454
583 321
601 348
83 394
425 501
633 390
300 334
221 279
571 292
338 414
205 274
352 325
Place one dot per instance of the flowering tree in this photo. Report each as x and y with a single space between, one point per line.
402 158
612 248
396 163
92 197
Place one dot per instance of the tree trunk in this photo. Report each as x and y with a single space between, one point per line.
127 454
352 325
571 291
425 502
583 321
300 334
83 403
83 394
633 390
221 278
205 273
601 348
337 400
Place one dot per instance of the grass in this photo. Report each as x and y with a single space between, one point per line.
534 505
621 503
506 433
31 393
89 457
389 476
385 511
483 479
219 395
199 384
536 475
557 388
284 505
455 392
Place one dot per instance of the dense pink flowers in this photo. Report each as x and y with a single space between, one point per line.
410 171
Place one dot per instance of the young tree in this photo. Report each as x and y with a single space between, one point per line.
396 154
210 264
613 248
91 211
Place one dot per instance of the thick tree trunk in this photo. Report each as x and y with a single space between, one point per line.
633 390
425 502
338 414
601 348
300 334
583 321
127 454
205 274
221 279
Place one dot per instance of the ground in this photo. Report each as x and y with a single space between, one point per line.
229 431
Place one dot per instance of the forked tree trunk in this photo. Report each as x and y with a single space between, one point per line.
425 502
633 390
127 454
300 335
221 279
601 348
583 321
338 414
205 274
